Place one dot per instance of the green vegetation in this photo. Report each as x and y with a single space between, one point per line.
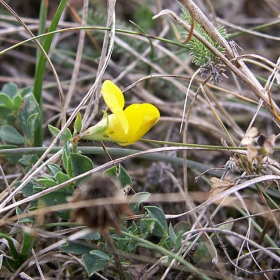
77 209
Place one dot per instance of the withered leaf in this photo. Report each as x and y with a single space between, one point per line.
219 185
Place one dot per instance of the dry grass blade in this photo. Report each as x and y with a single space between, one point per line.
197 202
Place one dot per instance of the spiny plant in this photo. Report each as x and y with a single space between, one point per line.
209 64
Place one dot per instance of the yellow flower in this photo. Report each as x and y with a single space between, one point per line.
122 126
114 99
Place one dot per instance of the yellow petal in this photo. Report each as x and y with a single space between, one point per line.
114 99
114 131
141 118
112 95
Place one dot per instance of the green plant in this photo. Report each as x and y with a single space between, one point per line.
210 65
200 53
20 115
19 253
172 219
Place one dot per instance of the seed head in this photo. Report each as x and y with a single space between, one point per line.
103 216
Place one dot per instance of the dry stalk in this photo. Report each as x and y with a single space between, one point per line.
229 59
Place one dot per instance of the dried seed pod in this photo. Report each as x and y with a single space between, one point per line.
102 216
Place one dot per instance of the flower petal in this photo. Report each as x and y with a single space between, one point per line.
114 99
141 118
114 131
112 95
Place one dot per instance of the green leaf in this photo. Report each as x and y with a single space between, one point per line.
10 89
14 159
172 234
78 123
17 102
69 167
28 161
94 261
4 112
11 244
183 227
24 220
137 199
10 118
133 228
24 91
28 242
65 156
32 123
151 226
27 189
93 235
61 177
56 198
178 242
180 229
65 136
157 214
75 248
124 178
132 246
54 130
47 182
11 135
54 168
122 244
166 243
29 114
41 60
100 254
80 164
7 101
112 172
120 174
25 160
